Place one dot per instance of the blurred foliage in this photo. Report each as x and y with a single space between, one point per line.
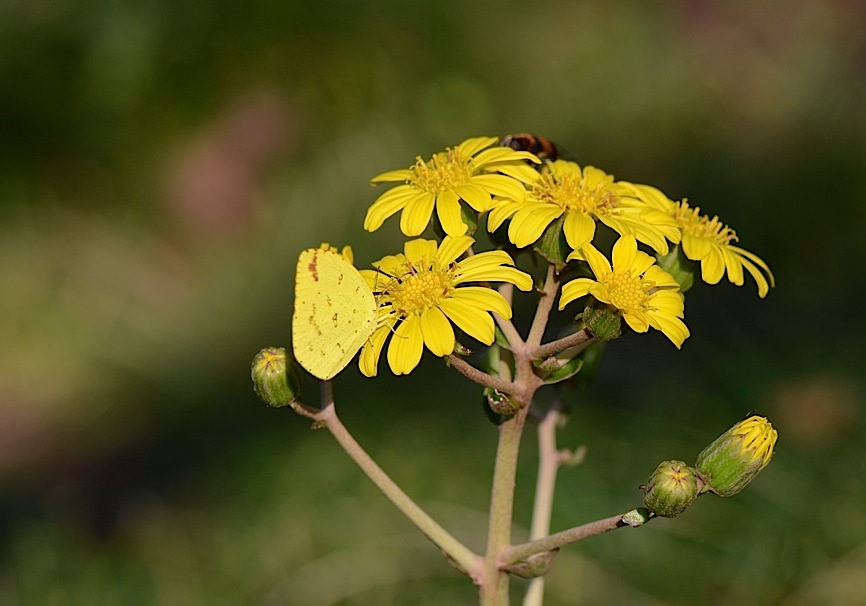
162 164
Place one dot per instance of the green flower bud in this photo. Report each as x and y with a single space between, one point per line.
275 379
727 465
605 323
671 488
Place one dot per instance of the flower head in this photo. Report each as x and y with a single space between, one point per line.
473 172
275 379
734 459
423 291
583 197
640 290
710 242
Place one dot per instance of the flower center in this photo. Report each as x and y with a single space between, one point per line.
444 171
569 191
691 221
627 292
417 290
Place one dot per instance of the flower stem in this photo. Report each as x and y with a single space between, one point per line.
482 378
507 328
461 556
542 312
555 541
581 338
494 587
549 461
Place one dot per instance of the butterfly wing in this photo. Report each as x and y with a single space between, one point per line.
335 312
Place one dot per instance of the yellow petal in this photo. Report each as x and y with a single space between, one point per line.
448 211
437 332
368 362
696 248
661 278
577 288
578 228
475 195
390 265
597 262
499 154
667 301
387 204
594 177
529 223
472 146
733 267
518 170
487 259
673 328
500 185
474 322
403 174
636 320
420 252
452 247
521 280
712 267
483 298
756 260
763 286
416 215
406 346
624 252
501 210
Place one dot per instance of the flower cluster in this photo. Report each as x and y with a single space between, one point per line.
430 288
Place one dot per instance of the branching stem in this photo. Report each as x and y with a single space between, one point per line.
581 339
520 552
549 460
465 560
482 378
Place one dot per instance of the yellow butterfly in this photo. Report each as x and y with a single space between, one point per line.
335 312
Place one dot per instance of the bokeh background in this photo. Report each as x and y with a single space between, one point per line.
162 164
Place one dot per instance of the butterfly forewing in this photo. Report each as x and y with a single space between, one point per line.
335 312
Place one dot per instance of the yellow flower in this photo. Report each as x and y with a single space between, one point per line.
470 172
644 294
422 291
709 241
582 196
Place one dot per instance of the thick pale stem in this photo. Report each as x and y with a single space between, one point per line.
560 539
465 560
494 588
548 464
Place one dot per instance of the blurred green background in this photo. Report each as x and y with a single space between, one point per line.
162 164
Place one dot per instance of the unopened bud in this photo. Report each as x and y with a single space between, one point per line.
671 488
275 378
734 459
